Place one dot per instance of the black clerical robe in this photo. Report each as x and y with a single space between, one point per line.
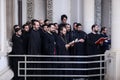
93 49
60 45
17 47
34 46
49 44
80 47
25 38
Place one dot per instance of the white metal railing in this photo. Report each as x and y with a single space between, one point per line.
26 61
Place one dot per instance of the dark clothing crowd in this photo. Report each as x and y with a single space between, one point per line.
39 37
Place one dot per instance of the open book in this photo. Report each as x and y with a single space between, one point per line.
102 39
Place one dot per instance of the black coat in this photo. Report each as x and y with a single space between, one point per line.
34 46
80 47
92 48
17 47
60 45
49 44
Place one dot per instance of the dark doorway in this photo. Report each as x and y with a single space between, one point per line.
20 12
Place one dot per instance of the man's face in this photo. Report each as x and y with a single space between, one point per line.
68 28
45 28
52 28
19 32
79 28
41 22
105 31
74 26
36 26
26 28
64 31
56 26
64 20
96 29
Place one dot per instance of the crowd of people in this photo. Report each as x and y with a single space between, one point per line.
40 37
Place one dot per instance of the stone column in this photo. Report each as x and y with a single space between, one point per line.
98 12
50 10
2 25
30 9
88 14
76 11
115 25
113 66
5 72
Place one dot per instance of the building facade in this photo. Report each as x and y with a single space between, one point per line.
102 12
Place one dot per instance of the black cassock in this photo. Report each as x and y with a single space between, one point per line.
106 43
17 49
79 50
80 47
61 50
93 49
49 49
25 37
49 44
60 45
34 48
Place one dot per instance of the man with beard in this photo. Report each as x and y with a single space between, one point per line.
34 48
62 49
93 49
79 49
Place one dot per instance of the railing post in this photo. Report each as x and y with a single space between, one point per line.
18 68
25 66
100 67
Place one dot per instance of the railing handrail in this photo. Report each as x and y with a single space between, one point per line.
68 56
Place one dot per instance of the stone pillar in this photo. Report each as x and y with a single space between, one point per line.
98 12
30 9
88 14
113 65
76 11
50 10
115 25
5 72
2 25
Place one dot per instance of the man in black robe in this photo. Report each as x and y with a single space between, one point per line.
107 42
93 49
17 49
34 48
79 49
62 49
25 36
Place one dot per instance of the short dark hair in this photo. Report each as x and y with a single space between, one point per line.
102 29
15 26
24 25
61 28
50 24
33 21
93 26
46 20
55 23
17 29
78 24
63 16
44 25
